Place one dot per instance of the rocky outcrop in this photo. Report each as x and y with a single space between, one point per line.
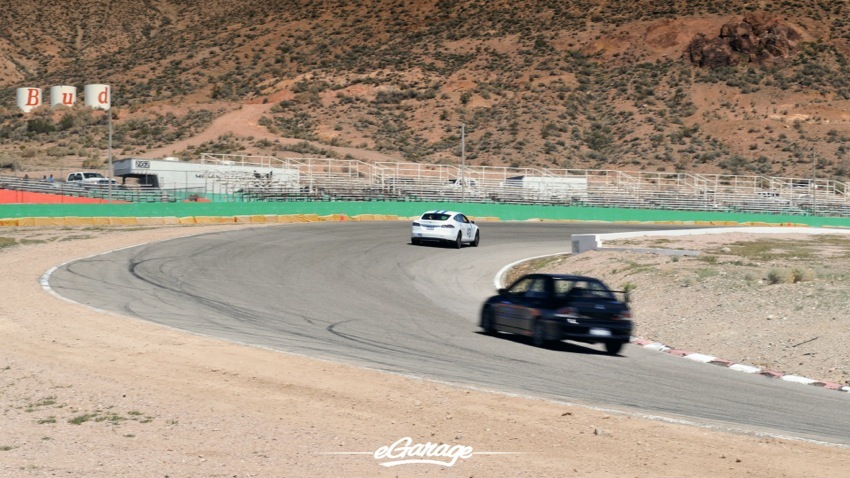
759 39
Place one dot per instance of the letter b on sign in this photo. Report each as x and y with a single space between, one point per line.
28 98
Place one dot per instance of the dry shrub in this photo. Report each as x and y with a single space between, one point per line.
782 275
779 275
803 274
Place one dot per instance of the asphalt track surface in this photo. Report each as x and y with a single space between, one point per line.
358 292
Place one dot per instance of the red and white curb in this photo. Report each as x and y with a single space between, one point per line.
697 357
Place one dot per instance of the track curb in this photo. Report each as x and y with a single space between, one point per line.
708 359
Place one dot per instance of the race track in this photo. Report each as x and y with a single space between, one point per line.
358 292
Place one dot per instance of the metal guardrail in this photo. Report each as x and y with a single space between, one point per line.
323 179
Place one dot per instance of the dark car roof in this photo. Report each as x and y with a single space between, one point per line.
563 276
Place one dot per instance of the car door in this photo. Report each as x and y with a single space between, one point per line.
510 306
473 228
465 226
534 301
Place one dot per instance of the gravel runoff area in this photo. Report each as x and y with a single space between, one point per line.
95 394
758 297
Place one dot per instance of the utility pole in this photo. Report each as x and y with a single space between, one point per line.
814 184
462 162
109 154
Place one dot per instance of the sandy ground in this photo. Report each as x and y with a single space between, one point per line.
88 393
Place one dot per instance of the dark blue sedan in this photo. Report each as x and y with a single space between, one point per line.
555 307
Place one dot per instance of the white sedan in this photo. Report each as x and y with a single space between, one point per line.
445 226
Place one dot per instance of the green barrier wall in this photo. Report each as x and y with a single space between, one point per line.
404 209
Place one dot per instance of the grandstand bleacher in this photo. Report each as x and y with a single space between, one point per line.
324 179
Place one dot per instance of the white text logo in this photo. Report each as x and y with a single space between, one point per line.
404 452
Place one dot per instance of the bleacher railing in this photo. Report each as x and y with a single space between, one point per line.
329 179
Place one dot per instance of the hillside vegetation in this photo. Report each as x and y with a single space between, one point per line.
557 84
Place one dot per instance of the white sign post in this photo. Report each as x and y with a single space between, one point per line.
97 96
100 97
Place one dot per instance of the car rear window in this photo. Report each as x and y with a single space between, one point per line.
433 216
581 288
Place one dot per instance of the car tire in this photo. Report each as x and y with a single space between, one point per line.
415 242
477 239
613 348
459 241
538 334
487 323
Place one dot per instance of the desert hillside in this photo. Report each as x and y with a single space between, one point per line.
737 87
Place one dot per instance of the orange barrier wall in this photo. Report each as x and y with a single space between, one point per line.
8 196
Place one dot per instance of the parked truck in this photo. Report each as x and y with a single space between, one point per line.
88 179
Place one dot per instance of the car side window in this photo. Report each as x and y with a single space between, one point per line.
537 289
521 287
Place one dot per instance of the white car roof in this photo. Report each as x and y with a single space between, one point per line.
440 211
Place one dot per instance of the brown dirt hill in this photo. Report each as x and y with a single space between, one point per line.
557 85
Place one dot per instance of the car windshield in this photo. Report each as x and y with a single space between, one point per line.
435 216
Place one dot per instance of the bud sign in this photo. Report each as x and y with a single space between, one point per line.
97 96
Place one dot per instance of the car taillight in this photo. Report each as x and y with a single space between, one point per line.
567 311
624 315
448 226
416 224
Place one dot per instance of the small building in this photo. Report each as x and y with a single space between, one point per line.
548 188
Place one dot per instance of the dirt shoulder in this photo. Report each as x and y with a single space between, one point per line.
772 301
88 393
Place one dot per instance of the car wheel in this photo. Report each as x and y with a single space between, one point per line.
477 239
487 321
415 242
613 348
538 336
459 241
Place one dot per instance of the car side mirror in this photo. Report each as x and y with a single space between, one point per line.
503 291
